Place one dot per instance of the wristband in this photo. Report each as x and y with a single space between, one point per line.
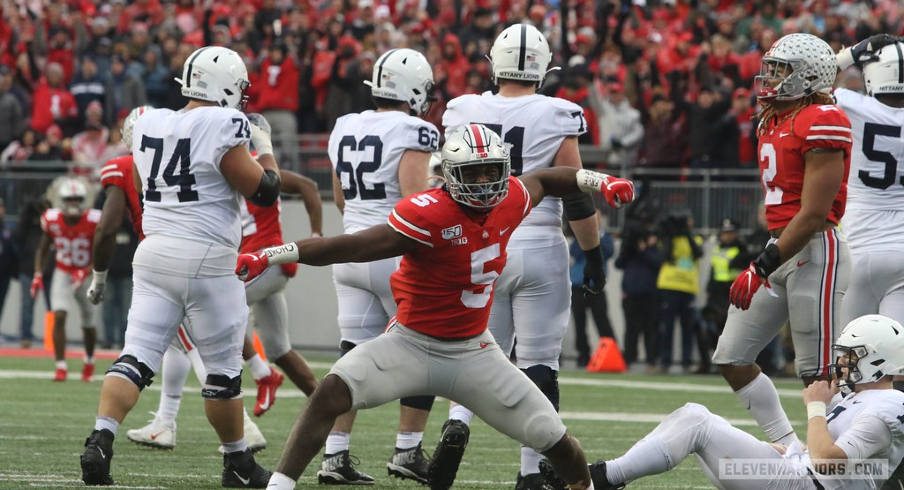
283 254
768 261
816 409
100 277
590 181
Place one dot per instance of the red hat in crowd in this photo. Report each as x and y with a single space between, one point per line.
741 93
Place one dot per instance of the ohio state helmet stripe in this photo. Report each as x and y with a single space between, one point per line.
190 65
523 53
380 68
479 145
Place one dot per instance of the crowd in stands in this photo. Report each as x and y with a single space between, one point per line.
664 83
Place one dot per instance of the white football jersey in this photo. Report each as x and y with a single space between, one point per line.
366 150
177 155
534 126
876 181
884 405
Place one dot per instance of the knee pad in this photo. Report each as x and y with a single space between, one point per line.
127 367
423 402
547 380
220 387
345 347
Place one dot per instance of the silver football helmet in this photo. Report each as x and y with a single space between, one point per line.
872 347
520 52
216 74
803 64
403 75
468 147
72 194
886 74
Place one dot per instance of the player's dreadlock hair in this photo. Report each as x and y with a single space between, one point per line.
769 112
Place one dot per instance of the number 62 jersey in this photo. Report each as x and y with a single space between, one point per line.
365 150
876 182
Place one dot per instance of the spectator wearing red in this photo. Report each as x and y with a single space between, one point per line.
52 103
89 145
60 50
451 72
742 109
147 10
277 99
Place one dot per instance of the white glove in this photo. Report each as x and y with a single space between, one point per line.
98 285
260 121
261 141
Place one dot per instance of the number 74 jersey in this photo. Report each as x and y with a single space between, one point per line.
365 150
781 157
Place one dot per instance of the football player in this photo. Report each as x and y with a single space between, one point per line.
193 167
532 299
379 157
865 425
70 231
453 246
801 275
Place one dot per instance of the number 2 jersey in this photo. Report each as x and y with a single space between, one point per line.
72 242
445 288
366 150
534 126
781 153
178 155
876 182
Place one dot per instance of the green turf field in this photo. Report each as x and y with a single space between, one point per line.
44 426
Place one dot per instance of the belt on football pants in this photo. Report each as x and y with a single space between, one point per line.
815 481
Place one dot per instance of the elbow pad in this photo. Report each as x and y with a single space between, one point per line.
579 206
267 191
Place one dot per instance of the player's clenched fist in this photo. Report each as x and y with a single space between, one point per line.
616 191
251 265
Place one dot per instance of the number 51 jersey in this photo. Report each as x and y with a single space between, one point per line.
366 150
178 155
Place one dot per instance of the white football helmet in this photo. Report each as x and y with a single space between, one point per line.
469 146
129 124
886 74
873 346
404 75
804 64
72 193
520 53
216 74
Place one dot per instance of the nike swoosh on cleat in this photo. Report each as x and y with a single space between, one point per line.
155 436
266 403
244 480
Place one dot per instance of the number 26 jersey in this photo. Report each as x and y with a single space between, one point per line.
365 150
781 158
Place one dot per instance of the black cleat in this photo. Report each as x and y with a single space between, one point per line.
241 471
96 458
409 464
597 476
339 469
444 465
534 481
896 480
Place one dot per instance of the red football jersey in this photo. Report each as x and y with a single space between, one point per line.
261 229
72 242
781 156
118 172
445 288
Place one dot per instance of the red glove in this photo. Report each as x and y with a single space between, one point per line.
617 191
249 266
78 278
744 287
37 284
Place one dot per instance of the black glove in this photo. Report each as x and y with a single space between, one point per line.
865 51
768 261
594 274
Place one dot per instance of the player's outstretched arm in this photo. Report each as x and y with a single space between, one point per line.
294 183
105 240
567 181
375 243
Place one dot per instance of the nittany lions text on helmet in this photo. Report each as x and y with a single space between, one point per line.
520 53
403 75
216 74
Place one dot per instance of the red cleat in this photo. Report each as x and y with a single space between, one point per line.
60 375
266 391
87 372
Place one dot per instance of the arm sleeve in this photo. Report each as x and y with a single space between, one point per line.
408 220
112 174
827 128
868 435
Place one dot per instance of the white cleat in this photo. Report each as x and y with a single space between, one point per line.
155 435
253 436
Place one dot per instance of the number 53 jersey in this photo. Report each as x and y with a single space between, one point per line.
781 153
178 155
365 150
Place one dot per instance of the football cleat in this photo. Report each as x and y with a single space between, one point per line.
156 435
408 464
95 460
443 466
339 469
533 481
87 372
597 476
253 436
266 391
60 375
241 471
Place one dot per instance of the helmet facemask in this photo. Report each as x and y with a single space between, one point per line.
479 184
73 206
846 370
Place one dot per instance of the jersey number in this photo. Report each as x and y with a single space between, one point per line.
481 277
870 131
514 137
773 192
181 158
356 176
73 253
427 137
